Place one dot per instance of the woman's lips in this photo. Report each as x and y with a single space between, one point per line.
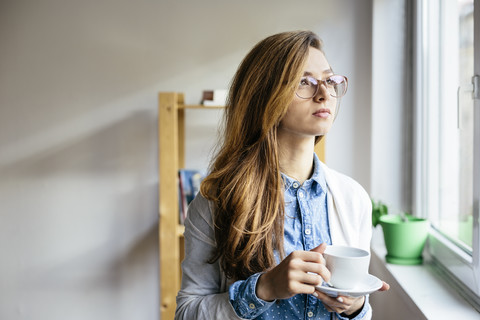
322 113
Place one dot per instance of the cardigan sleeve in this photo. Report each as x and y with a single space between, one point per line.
203 294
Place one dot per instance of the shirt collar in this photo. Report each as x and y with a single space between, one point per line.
316 182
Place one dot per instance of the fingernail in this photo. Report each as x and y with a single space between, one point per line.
340 299
315 294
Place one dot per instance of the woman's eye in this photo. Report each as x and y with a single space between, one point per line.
304 82
330 81
307 81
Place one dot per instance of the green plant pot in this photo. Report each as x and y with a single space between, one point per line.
404 240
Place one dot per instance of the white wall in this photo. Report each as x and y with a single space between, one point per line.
392 110
78 134
391 137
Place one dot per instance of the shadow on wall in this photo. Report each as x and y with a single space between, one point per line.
117 148
94 271
81 219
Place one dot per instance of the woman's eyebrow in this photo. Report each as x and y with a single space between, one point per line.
326 71
329 70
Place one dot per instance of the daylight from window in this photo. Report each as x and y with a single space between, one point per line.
455 210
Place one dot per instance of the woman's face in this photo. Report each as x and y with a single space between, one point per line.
312 117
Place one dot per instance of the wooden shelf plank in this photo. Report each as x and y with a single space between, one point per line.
168 207
198 106
180 230
320 149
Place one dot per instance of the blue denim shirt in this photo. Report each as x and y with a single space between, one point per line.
306 226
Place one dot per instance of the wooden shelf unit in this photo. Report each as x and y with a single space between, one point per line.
171 155
171 149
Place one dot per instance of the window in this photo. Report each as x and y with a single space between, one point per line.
447 136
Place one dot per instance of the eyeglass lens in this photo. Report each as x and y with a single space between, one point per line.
335 85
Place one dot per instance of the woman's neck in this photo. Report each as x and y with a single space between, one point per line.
296 158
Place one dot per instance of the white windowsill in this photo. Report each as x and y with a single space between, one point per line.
424 286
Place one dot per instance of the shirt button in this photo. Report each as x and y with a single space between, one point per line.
295 185
310 314
251 306
308 231
300 194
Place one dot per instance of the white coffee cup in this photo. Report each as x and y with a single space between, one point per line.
348 266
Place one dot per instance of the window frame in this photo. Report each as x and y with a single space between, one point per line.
460 269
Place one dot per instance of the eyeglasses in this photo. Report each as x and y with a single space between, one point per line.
335 85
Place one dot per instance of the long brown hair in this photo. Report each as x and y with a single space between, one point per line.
244 183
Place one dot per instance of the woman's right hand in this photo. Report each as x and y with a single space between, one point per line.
298 273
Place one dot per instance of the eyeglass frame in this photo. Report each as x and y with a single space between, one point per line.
320 81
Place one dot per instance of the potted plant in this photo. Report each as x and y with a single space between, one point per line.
378 209
405 235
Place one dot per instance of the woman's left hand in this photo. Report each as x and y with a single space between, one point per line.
341 304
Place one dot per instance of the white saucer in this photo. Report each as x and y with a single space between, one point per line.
369 284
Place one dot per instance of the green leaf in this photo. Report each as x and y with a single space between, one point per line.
378 209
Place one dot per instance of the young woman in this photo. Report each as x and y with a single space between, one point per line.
255 234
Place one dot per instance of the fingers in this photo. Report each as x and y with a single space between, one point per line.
385 287
310 262
313 279
320 249
312 274
341 304
298 273
321 271
338 304
309 256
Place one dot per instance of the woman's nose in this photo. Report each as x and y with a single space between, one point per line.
322 92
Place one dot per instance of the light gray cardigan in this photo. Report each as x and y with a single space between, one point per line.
204 291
